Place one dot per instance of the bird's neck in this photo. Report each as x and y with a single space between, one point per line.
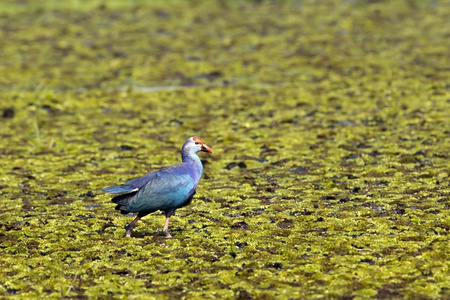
192 159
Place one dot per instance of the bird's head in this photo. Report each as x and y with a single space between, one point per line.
196 144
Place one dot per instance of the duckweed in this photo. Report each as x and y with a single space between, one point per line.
329 122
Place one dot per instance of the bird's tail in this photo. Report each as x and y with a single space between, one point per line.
123 194
122 202
119 189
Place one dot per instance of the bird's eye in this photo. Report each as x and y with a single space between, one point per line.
197 143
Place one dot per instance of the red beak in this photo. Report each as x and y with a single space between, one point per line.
205 148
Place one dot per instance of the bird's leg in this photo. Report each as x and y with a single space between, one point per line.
129 227
166 228
169 213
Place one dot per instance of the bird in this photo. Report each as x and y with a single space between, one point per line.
167 189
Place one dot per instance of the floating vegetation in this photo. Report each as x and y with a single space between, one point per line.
329 122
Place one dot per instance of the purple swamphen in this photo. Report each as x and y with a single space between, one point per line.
166 189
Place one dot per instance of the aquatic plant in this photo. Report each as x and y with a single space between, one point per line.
329 121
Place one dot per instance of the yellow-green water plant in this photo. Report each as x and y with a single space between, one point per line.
329 125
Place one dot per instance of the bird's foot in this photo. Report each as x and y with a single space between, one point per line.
166 232
129 228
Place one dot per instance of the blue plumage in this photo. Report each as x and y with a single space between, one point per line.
119 189
166 189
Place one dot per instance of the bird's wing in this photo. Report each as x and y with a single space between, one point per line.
131 186
170 188
169 180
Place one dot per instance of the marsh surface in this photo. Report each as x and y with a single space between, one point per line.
329 122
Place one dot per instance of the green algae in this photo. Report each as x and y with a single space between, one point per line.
330 130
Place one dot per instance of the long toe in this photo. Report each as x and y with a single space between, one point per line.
129 229
166 232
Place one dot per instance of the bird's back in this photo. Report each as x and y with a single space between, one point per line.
165 189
